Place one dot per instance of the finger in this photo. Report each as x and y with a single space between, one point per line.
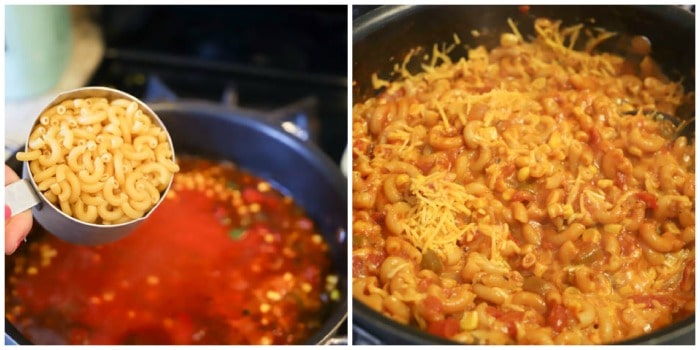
10 175
16 230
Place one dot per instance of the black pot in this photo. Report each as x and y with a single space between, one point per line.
266 150
383 36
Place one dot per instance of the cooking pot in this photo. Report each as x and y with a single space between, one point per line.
383 36
258 144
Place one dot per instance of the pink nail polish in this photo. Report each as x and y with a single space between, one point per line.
8 212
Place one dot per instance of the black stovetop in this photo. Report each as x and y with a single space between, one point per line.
265 58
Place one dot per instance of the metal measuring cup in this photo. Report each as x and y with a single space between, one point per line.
24 194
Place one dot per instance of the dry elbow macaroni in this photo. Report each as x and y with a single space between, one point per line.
100 161
521 196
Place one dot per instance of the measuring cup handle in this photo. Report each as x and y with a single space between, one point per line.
20 196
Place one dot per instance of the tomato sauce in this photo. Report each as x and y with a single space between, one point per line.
225 259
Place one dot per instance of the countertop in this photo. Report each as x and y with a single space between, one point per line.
87 52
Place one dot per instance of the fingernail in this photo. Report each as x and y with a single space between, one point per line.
19 242
8 212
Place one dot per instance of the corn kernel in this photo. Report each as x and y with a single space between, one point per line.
567 210
263 186
274 296
335 295
508 194
555 140
605 183
332 279
523 173
469 321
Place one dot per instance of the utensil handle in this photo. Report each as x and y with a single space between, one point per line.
337 340
298 118
20 196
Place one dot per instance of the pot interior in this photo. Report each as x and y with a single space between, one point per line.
384 36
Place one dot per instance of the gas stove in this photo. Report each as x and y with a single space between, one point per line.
287 60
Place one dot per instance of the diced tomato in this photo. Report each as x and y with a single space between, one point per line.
493 311
311 273
444 328
431 309
508 170
305 223
182 329
558 317
648 199
423 285
510 319
524 8
366 265
251 195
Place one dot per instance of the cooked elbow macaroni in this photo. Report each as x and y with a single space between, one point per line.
522 196
100 161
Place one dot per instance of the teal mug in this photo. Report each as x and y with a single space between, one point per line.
38 46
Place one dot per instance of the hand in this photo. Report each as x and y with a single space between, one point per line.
16 227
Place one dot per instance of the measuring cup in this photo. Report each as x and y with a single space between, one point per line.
24 194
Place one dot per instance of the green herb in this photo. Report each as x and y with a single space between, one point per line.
232 185
236 233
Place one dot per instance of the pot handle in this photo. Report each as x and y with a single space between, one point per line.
20 196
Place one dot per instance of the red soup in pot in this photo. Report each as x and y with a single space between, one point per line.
226 259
